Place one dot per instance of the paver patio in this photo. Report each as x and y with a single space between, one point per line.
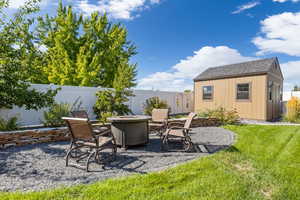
42 166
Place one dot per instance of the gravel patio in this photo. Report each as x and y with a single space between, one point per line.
42 166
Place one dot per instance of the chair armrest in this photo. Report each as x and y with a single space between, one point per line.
102 133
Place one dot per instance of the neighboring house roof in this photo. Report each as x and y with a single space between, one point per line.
255 67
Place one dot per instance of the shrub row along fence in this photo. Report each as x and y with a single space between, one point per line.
179 102
34 136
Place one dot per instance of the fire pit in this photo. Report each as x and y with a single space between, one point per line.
130 130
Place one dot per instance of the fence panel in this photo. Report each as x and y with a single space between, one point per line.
179 102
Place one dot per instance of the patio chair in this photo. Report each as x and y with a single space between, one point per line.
180 131
83 137
80 114
159 120
96 128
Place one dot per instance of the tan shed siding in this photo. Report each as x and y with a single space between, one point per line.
225 96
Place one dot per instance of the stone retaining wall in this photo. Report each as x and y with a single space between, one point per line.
24 137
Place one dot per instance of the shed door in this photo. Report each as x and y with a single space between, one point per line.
271 97
274 101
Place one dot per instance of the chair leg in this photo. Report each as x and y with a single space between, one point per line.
67 157
165 143
88 160
114 152
188 144
74 153
69 154
162 142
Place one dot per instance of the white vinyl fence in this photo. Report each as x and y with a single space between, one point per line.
179 102
288 95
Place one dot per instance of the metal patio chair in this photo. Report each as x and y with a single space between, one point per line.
84 139
180 131
159 120
96 128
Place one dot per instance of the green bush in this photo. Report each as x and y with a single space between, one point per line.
224 116
111 102
154 102
9 125
53 117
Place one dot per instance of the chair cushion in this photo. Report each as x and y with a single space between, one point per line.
175 132
101 140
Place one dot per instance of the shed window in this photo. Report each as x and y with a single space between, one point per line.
207 92
243 91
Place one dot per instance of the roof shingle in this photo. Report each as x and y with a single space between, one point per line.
236 70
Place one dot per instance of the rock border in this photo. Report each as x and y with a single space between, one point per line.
42 135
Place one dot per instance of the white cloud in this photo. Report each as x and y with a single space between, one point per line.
246 6
15 4
280 34
282 1
180 76
291 73
118 9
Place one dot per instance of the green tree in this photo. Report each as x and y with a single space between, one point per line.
154 102
296 88
111 102
79 51
17 52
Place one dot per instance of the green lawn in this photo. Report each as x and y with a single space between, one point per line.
263 164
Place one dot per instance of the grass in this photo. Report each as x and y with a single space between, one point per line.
263 164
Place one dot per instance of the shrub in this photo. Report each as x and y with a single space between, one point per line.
293 110
53 117
224 116
154 102
9 125
111 102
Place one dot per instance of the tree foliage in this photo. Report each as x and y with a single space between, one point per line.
17 52
154 102
111 102
296 88
80 51
64 49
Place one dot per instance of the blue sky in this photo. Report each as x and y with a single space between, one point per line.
178 39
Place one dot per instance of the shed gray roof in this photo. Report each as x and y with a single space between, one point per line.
237 70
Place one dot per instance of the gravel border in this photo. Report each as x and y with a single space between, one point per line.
42 166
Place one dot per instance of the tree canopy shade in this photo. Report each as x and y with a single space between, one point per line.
17 51
80 51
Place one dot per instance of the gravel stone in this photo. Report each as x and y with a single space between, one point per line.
42 166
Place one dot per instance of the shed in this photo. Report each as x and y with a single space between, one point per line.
253 89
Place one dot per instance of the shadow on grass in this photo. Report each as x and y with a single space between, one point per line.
232 149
